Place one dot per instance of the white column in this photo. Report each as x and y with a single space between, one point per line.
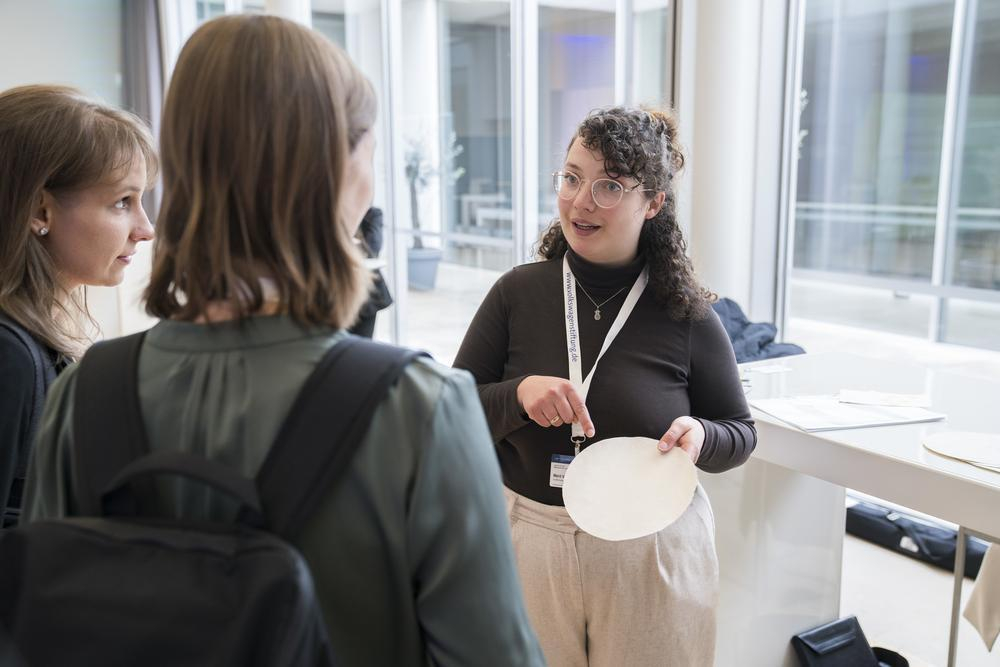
524 96
296 10
421 104
177 21
624 44
395 197
722 124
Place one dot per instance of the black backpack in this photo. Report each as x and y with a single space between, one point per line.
120 585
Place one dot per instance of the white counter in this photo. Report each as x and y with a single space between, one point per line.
780 518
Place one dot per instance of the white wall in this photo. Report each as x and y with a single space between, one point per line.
731 100
73 43
723 126
421 110
62 41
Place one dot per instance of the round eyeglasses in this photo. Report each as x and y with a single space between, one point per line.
607 192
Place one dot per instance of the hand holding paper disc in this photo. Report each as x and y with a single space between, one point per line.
624 488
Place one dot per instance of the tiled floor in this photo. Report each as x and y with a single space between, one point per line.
437 319
904 605
901 603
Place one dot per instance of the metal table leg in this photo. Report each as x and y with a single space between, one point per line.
956 596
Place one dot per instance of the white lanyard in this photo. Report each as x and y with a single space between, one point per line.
573 336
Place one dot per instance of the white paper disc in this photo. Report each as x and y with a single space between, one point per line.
624 488
981 449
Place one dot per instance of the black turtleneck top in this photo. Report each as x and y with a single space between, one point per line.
657 369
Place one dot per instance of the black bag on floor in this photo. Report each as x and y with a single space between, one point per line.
119 586
842 643
913 538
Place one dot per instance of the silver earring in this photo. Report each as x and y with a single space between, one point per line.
43 231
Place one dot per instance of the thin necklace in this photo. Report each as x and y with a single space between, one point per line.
597 306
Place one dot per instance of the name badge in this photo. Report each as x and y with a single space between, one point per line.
557 469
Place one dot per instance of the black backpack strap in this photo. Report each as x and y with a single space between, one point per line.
108 432
324 428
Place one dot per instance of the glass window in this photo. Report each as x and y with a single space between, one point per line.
452 230
652 53
356 27
332 24
874 78
476 136
451 233
974 323
457 171
576 73
857 306
209 9
330 18
974 256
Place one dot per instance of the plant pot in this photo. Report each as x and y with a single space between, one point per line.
422 267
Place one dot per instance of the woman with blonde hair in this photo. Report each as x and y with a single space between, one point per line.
72 175
267 148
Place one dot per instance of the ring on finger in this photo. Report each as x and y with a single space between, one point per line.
555 421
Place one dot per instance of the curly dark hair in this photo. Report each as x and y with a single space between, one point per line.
642 143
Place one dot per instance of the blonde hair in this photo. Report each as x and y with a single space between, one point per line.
259 122
52 138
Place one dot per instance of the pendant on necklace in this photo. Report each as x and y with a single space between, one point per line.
597 314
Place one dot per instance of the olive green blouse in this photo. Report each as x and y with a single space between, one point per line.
410 552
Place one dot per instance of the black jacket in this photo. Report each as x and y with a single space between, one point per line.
752 341
27 368
379 299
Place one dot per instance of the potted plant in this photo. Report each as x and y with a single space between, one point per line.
422 261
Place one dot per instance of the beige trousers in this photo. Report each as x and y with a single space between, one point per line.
637 603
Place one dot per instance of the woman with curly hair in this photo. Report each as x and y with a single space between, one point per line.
670 374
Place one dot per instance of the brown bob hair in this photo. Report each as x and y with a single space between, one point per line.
54 139
260 120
